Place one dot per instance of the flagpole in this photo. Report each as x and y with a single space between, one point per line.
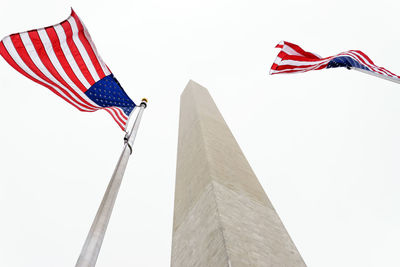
378 75
94 239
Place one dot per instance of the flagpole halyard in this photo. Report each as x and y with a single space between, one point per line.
94 239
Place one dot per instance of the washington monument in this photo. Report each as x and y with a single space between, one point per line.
222 215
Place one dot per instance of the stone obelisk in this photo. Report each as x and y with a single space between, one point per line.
222 215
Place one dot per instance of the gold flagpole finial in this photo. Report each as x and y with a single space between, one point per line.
144 102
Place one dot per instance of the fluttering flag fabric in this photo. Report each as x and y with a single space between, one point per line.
64 59
293 59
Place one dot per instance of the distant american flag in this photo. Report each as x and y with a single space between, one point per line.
293 59
64 59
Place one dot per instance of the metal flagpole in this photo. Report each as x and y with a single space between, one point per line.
378 75
94 239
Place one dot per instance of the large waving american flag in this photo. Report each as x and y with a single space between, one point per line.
293 59
64 59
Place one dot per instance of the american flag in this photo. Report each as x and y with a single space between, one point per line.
293 59
64 59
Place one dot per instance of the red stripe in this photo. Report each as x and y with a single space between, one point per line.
75 52
8 58
299 50
123 116
286 56
51 32
274 66
108 68
41 51
371 65
364 55
283 65
118 122
121 113
88 46
293 69
387 72
391 73
289 67
362 61
117 114
21 50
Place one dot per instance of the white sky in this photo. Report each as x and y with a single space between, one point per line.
324 145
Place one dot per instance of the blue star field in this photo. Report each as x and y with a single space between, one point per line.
107 92
345 61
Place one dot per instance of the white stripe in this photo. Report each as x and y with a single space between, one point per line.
120 113
278 60
352 55
54 60
366 64
82 49
39 64
300 69
68 55
300 63
372 66
57 65
288 50
123 115
115 117
89 38
308 68
14 54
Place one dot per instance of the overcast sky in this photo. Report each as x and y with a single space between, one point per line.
324 144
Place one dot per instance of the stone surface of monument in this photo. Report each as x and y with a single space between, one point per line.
222 216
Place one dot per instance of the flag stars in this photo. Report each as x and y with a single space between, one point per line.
107 93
